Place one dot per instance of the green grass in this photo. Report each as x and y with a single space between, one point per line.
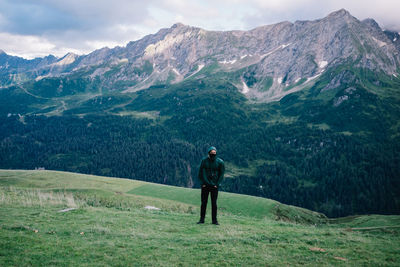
110 227
235 171
230 203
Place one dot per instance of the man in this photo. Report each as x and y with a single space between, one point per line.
211 173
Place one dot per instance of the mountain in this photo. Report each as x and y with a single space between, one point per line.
271 61
14 70
306 113
47 215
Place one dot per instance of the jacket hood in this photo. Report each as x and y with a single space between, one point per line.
211 148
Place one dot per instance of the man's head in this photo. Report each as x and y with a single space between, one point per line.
212 152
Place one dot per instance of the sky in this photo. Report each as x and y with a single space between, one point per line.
37 28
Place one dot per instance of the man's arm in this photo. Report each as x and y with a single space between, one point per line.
202 174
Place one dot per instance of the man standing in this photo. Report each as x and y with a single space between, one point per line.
211 173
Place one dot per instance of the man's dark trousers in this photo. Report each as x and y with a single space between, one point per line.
204 199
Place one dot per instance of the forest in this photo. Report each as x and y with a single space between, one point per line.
302 150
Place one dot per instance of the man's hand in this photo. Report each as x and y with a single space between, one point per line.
203 185
215 186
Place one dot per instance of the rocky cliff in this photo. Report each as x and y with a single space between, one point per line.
265 63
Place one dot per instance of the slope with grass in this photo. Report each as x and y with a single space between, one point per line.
109 225
310 106
334 145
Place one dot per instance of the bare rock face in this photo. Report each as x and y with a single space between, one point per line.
269 62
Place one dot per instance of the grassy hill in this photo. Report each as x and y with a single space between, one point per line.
110 225
334 151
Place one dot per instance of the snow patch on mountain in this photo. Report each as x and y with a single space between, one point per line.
275 49
123 60
245 88
38 78
322 64
199 68
233 61
313 77
176 71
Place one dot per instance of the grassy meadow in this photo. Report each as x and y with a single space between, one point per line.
108 225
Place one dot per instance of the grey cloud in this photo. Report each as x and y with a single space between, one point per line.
34 17
84 25
385 12
74 24
31 18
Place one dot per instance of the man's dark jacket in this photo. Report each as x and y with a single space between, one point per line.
211 172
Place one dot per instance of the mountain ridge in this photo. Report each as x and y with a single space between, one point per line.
174 54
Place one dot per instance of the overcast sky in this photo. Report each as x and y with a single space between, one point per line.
32 28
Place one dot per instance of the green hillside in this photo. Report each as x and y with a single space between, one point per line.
334 150
110 225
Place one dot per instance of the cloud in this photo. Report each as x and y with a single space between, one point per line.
28 17
42 16
78 25
273 11
58 26
29 46
247 14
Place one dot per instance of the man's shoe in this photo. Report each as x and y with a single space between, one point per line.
200 222
216 223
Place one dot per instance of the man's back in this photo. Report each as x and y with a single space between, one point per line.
211 171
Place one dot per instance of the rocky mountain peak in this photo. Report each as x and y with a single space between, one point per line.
265 61
69 58
371 23
339 18
178 25
180 28
342 13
